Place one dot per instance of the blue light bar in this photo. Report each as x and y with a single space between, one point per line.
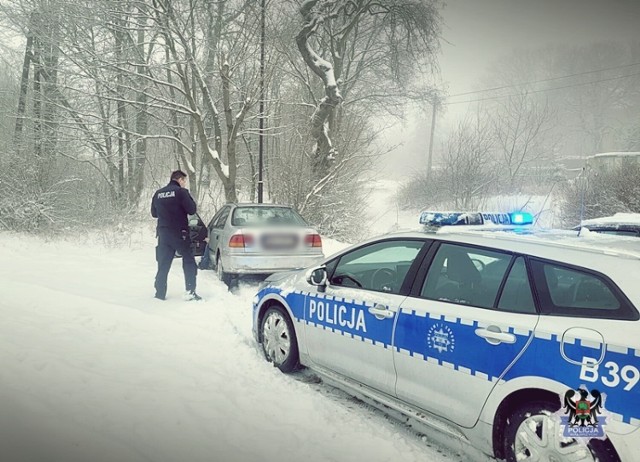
433 218
521 218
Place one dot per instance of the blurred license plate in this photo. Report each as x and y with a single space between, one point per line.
279 241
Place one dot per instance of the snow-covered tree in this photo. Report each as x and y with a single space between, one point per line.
364 49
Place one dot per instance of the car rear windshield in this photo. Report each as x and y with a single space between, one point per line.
261 216
616 232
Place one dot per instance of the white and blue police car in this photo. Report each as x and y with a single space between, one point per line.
523 346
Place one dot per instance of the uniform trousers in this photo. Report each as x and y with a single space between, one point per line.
171 241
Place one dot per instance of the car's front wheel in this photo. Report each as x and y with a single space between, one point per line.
279 341
533 434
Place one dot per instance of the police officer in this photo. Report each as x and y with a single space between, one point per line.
171 205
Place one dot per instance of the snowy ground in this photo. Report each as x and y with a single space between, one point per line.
92 368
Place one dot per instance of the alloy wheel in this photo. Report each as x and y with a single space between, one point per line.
538 438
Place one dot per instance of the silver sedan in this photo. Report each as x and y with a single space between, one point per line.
261 239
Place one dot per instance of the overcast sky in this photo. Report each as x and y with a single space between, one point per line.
476 33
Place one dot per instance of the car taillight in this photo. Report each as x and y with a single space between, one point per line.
313 240
241 240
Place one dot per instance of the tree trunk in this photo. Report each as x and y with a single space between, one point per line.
24 90
136 181
324 150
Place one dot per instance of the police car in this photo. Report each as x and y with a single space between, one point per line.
524 346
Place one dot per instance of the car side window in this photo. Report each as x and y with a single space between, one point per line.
222 218
465 275
516 294
216 217
380 267
574 291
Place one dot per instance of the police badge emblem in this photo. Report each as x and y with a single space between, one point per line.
583 414
440 337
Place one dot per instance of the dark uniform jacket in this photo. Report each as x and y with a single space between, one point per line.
171 205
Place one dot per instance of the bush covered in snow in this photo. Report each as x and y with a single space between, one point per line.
597 193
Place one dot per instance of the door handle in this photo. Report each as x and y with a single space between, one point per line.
495 336
381 312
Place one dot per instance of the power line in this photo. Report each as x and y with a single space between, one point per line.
544 80
543 90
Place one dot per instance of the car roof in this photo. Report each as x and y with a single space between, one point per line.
542 243
628 220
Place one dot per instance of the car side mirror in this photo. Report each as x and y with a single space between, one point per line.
318 276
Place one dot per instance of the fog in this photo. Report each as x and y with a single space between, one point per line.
476 36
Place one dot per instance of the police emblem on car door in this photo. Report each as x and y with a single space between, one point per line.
467 319
349 322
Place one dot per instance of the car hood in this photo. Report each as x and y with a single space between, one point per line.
281 276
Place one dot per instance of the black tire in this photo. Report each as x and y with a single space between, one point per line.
520 437
278 339
222 274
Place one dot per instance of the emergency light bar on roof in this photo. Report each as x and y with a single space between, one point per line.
430 218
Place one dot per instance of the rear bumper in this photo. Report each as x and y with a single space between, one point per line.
263 264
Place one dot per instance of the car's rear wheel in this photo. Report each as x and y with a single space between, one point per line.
533 434
222 274
279 341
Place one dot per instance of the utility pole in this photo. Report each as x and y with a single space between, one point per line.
261 138
434 105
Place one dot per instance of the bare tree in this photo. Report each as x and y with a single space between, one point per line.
521 126
41 55
598 103
24 84
124 88
403 30
603 192
468 170
218 137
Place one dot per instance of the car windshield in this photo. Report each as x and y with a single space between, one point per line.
270 216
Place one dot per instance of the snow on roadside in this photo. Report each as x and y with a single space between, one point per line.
93 368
